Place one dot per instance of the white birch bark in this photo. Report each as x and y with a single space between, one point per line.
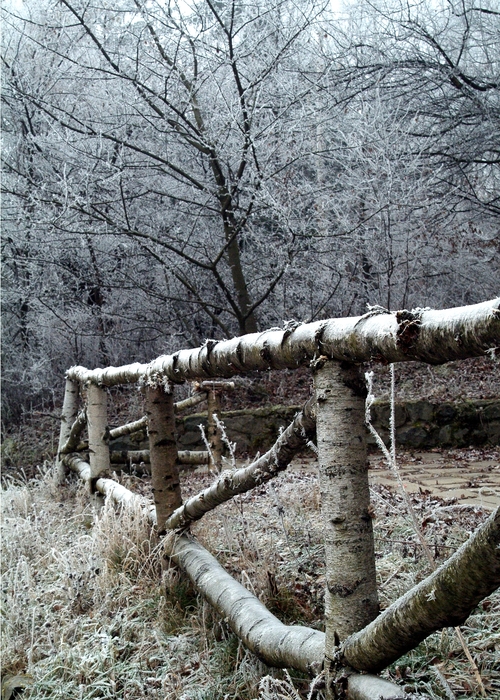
191 401
230 483
129 428
193 457
163 454
276 644
112 489
351 599
444 599
73 441
431 336
373 688
68 417
97 421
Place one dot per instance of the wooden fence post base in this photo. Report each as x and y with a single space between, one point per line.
351 599
163 454
68 416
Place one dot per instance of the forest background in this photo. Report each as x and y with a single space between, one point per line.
176 171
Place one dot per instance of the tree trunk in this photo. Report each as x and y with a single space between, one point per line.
68 417
163 454
444 599
97 421
426 335
351 586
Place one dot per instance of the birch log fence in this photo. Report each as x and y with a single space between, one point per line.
358 642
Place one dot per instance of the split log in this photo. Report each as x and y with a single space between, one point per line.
163 454
97 421
68 417
427 335
230 483
444 599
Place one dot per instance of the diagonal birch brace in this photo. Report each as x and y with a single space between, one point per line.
277 644
444 599
73 441
296 436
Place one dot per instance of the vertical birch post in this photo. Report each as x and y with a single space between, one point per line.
351 599
213 433
163 454
68 417
97 421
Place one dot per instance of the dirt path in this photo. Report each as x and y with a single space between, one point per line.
471 476
468 476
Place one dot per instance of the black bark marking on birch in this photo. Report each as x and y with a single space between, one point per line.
240 355
355 382
318 338
266 354
288 329
206 362
345 590
175 362
409 325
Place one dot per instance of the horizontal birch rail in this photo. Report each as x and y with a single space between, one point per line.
295 437
188 457
427 335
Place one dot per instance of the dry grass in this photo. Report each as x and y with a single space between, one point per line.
88 611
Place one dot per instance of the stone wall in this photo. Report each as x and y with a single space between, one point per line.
419 425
